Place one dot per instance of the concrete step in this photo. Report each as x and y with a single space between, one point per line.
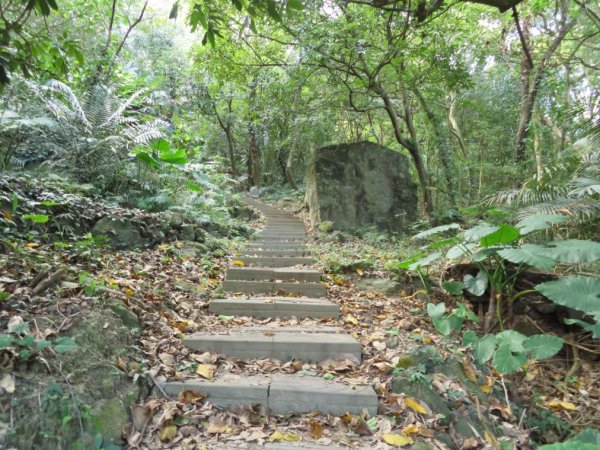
267 239
282 394
264 307
268 274
274 252
276 261
272 287
276 245
282 345
284 234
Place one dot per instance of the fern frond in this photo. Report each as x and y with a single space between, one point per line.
114 117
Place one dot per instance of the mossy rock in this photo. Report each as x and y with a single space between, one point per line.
326 226
108 418
128 317
381 285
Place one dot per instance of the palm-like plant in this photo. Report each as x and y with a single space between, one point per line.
98 131
572 186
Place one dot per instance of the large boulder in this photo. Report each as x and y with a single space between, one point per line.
360 184
122 233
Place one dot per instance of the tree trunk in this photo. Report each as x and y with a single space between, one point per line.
410 145
455 131
253 161
531 79
441 143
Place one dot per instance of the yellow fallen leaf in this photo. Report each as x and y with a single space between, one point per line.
213 281
413 404
32 245
427 340
206 371
360 272
397 440
489 438
168 433
561 406
351 319
112 282
163 247
280 437
239 263
411 429
486 389
316 429
129 291
469 370
218 428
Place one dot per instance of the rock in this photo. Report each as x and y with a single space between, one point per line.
176 220
187 233
443 386
128 317
193 249
109 417
192 288
360 184
122 233
382 285
243 213
326 226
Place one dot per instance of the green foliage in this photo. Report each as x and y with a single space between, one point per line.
510 350
26 346
452 322
588 439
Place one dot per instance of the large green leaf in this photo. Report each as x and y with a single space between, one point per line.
513 339
506 361
543 346
574 251
581 293
37 218
540 222
436 311
459 250
480 231
448 324
425 261
436 230
505 235
593 328
174 157
530 254
484 348
476 285
453 287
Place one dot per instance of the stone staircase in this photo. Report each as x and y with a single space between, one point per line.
272 287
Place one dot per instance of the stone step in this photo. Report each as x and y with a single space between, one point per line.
284 234
276 245
267 239
274 252
276 261
265 307
282 394
272 287
282 345
267 274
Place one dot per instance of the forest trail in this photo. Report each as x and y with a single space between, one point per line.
268 267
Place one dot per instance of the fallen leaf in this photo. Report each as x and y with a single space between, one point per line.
7 382
168 433
239 263
190 397
411 429
14 323
316 429
280 437
360 272
561 406
206 371
140 414
351 319
360 427
397 440
218 428
121 364
166 358
469 370
413 404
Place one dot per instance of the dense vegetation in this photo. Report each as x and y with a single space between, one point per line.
157 115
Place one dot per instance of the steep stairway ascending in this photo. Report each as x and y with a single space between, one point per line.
268 269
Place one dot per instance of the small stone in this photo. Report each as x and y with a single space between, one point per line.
187 233
381 285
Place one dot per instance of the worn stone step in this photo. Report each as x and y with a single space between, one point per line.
268 274
276 245
276 261
274 252
267 239
282 345
283 234
265 307
273 287
282 394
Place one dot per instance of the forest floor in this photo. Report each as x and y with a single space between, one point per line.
168 288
